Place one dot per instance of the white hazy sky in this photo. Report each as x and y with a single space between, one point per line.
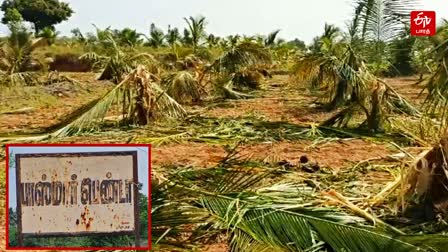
301 19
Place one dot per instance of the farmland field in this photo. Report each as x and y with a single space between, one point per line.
259 142
358 166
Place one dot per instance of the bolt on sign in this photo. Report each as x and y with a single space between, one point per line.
69 194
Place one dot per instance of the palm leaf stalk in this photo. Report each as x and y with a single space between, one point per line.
182 86
116 64
231 67
281 218
436 100
142 100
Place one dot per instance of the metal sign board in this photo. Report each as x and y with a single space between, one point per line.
67 194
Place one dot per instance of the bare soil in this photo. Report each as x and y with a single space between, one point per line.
277 101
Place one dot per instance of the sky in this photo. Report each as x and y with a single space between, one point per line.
142 156
303 19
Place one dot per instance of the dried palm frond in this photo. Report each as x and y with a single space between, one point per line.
182 86
141 98
437 100
280 217
117 63
247 78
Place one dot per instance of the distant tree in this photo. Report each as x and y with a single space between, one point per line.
196 26
156 36
172 36
186 38
299 44
78 36
212 40
270 39
42 13
129 37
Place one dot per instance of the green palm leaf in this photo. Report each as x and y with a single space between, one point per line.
137 89
242 55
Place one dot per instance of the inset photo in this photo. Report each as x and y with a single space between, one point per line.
78 197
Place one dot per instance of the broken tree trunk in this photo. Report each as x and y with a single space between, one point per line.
427 191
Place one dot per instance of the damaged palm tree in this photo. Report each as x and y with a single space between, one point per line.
275 217
182 86
117 63
140 97
236 68
344 69
428 181
427 184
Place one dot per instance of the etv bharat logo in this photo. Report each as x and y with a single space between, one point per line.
423 23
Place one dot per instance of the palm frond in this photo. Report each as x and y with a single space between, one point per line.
182 86
270 40
141 99
244 54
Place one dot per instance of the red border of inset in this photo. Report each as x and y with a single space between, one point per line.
7 146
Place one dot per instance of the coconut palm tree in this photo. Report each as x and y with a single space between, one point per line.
116 63
16 56
341 65
172 36
236 68
270 40
196 27
139 96
212 40
156 37
436 101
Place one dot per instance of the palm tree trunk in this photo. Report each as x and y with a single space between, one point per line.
340 95
375 119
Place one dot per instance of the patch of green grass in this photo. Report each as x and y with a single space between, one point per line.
19 97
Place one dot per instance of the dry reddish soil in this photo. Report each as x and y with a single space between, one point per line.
278 101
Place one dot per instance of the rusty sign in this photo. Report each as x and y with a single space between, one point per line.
77 193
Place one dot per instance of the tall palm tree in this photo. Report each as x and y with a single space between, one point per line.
129 37
156 37
270 40
172 36
196 26
212 40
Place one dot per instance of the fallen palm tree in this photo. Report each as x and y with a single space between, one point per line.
427 183
141 100
236 68
275 217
